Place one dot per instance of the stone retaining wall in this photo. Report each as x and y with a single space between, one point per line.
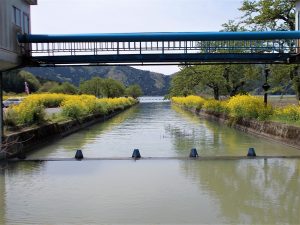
283 133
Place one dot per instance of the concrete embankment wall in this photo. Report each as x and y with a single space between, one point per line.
279 132
27 140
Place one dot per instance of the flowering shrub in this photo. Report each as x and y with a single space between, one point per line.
213 105
74 108
77 106
240 106
10 116
191 101
31 109
247 106
49 100
288 113
28 112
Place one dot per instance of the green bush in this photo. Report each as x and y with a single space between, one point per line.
10 117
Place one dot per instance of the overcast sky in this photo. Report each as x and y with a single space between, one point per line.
122 16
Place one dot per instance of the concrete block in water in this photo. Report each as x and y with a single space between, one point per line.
136 154
194 153
251 152
78 155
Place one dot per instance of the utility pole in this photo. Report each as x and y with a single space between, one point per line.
298 22
266 86
297 14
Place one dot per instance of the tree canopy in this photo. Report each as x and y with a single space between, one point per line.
215 79
64 88
134 91
268 14
14 81
100 87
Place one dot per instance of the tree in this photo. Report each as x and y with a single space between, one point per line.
273 15
269 14
184 83
33 83
233 26
113 88
64 88
212 77
93 87
220 79
240 75
134 91
99 87
284 77
47 86
13 81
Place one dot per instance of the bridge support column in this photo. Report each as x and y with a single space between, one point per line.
1 111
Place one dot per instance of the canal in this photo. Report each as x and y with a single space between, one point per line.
153 191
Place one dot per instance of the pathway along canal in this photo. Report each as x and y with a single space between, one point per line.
153 191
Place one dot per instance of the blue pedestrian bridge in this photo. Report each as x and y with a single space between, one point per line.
161 48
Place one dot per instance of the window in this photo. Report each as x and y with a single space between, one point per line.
25 23
17 16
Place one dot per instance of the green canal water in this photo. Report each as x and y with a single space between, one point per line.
153 191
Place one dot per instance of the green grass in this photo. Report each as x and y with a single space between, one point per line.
282 101
288 122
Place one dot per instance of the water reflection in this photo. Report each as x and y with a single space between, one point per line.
67 146
155 192
212 138
252 192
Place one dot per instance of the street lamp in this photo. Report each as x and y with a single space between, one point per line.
266 86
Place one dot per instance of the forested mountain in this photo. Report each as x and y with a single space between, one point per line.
150 82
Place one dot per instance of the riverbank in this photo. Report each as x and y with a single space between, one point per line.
249 114
19 143
283 133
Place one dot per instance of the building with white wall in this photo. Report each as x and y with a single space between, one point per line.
14 20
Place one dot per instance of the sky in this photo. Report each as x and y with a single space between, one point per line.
125 16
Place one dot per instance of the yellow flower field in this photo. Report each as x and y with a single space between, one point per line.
241 106
31 110
191 101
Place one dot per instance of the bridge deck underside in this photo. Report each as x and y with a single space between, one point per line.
164 58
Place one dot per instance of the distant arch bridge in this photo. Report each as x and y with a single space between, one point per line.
161 48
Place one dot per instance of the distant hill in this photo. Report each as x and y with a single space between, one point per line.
151 83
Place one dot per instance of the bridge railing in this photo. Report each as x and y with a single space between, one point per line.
95 48
178 44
